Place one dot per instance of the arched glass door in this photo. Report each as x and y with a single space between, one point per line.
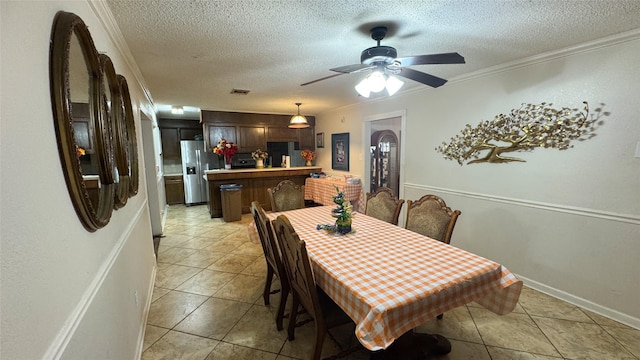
385 161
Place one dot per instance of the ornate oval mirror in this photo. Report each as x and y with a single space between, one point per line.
132 142
113 113
82 133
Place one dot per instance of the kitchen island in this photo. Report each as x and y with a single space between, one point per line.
254 184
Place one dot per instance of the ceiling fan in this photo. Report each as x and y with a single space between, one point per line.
384 63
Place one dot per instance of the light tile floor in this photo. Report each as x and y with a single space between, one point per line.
207 305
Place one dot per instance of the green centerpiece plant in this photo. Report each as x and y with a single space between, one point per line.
343 214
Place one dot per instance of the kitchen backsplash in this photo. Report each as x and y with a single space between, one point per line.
172 166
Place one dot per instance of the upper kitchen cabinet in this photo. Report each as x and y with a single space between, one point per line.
307 139
282 134
172 131
213 133
170 143
252 131
251 138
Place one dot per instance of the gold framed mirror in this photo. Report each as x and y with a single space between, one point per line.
79 122
113 113
132 141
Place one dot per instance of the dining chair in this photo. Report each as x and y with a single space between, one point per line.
431 217
287 195
324 311
383 205
275 265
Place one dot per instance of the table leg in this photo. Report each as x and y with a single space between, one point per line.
414 346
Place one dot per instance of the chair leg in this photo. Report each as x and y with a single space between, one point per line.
317 346
292 317
267 285
284 294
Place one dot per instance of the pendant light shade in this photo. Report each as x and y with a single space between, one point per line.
298 121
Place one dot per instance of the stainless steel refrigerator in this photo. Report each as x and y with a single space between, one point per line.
195 160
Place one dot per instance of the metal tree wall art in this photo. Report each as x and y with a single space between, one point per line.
522 129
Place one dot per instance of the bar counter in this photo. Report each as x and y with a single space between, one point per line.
254 184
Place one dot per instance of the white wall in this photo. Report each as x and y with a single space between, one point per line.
567 222
65 292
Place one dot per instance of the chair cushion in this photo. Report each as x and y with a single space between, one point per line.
381 207
429 220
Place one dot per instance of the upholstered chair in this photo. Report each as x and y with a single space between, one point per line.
431 217
275 266
324 311
383 205
287 195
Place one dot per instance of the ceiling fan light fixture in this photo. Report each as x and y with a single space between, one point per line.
363 88
177 110
376 81
393 85
298 121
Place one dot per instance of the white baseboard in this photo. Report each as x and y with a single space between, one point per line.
145 314
583 303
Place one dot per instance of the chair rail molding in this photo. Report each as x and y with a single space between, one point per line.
606 215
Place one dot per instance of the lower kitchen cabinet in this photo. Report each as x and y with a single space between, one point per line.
174 189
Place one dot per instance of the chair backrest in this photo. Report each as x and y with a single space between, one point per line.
383 205
268 240
298 267
287 195
430 216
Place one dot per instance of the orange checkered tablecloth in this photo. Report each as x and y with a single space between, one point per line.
322 191
390 280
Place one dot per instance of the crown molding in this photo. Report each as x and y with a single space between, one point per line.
109 23
552 55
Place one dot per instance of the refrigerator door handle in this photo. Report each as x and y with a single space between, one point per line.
199 167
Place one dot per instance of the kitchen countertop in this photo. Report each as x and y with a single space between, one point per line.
219 171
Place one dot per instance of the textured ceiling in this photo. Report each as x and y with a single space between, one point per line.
193 53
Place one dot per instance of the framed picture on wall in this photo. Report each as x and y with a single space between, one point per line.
340 151
320 140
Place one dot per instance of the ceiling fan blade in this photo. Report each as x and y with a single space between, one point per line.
352 68
421 77
447 58
324 78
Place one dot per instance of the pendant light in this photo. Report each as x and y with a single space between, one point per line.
298 121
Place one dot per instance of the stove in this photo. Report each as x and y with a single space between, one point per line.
243 161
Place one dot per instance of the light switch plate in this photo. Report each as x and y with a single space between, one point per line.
638 149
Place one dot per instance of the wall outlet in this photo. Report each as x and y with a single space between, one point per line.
638 149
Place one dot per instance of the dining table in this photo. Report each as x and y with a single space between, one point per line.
322 191
390 280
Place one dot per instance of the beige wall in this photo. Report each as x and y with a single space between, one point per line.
567 222
65 292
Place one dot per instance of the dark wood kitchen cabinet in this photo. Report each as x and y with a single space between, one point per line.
170 143
251 138
174 189
251 131
172 131
307 139
282 134
213 133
